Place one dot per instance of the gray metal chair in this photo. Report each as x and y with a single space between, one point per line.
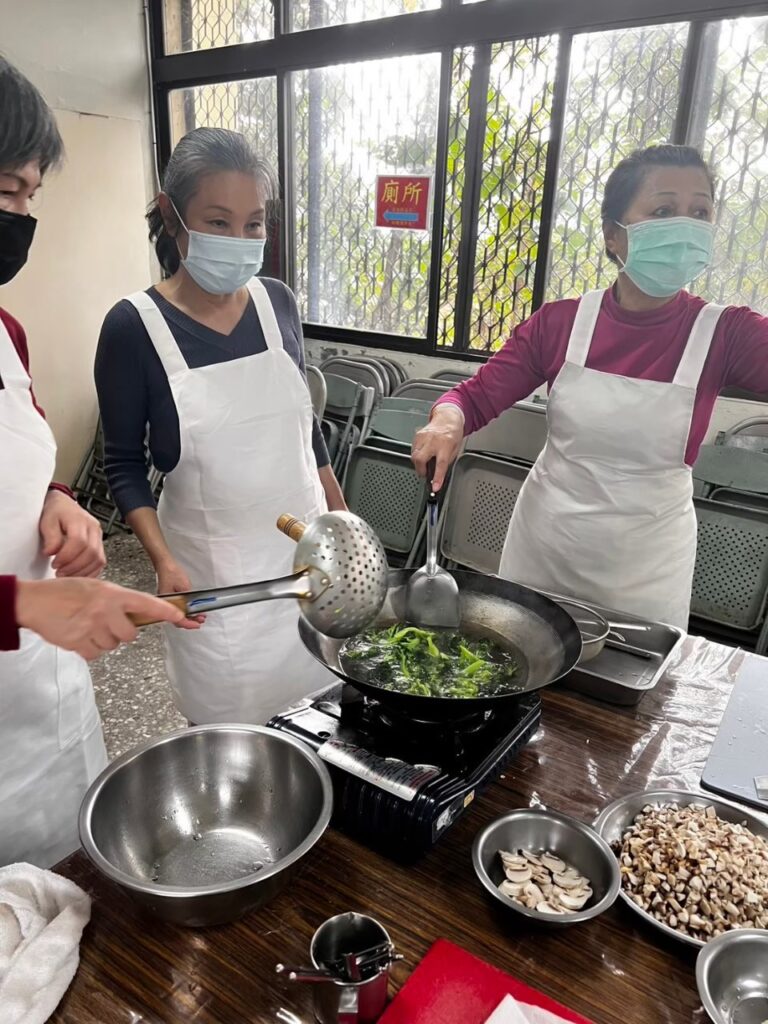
382 487
357 369
406 404
751 433
730 583
347 400
478 507
317 390
520 432
425 389
397 374
396 425
451 376
735 468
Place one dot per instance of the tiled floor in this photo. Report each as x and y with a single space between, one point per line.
132 690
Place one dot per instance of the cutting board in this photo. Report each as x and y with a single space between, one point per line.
450 986
740 750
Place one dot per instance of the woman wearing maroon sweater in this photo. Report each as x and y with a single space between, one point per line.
606 514
51 745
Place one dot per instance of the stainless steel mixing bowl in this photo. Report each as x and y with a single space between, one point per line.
537 829
203 825
732 977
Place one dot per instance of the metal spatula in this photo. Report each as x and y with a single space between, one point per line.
432 597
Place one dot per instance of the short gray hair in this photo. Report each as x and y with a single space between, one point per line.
202 152
28 128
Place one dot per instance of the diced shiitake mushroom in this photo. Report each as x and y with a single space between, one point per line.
543 882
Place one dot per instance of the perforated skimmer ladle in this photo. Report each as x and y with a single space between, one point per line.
340 577
347 551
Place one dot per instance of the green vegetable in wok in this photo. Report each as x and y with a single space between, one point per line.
430 664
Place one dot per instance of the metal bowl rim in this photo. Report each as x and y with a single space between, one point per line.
673 796
707 954
586 641
575 917
185 892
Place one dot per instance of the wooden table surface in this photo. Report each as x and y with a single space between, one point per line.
613 970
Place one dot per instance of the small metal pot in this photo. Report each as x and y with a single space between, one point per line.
342 1002
597 631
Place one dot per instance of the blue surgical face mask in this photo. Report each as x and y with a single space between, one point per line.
220 264
665 255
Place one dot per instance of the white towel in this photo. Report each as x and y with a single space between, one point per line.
42 917
509 1011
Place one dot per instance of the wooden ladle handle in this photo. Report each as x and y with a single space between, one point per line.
291 526
179 601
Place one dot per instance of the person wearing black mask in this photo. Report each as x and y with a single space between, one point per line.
53 610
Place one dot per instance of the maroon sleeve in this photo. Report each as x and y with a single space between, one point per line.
9 629
747 360
508 377
19 339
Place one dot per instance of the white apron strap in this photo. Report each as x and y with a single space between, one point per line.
584 327
12 372
159 334
697 349
266 314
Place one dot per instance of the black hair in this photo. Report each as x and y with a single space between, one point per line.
201 152
28 128
627 177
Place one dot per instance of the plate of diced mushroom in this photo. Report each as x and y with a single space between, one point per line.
691 866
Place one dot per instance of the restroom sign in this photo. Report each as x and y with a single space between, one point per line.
402 201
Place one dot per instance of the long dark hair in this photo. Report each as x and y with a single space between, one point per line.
28 128
627 177
203 151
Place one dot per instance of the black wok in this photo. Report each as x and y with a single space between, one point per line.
543 637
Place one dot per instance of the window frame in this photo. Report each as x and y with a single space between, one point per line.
439 31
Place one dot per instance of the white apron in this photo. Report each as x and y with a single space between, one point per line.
606 514
246 457
51 746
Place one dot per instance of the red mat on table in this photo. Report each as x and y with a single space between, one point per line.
450 986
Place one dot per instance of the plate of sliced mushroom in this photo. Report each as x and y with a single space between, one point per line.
693 867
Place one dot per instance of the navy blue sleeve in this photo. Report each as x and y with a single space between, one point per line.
133 393
287 313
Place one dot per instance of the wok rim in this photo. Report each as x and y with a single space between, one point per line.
153 889
449 708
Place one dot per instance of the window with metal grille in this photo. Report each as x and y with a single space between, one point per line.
518 133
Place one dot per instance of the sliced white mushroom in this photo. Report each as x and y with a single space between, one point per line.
532 894
508 888
554 864
571 901
512 860
548 908
534 858
543 882
518 875
566 881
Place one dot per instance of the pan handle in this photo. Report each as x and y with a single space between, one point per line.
291 526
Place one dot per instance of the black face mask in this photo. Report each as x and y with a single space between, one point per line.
16 232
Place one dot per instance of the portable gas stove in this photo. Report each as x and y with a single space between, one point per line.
400 783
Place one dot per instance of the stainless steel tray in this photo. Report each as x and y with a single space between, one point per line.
622 676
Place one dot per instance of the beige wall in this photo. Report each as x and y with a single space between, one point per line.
90 247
